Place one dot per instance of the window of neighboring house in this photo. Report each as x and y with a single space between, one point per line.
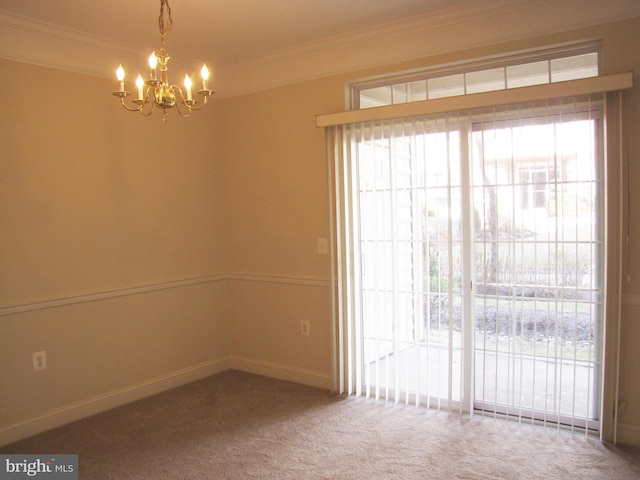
535 184
522 70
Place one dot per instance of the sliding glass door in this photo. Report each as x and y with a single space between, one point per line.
537 264
410 239
477 248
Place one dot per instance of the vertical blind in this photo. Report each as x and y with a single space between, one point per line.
539 251
469 260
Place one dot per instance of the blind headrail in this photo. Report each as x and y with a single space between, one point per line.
584 86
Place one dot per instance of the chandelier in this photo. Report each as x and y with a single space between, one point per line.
157 91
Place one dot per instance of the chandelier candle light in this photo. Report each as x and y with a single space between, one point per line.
158 91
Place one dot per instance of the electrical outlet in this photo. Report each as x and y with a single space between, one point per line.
305 327
39 361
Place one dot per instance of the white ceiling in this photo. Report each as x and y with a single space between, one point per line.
223 31
256 44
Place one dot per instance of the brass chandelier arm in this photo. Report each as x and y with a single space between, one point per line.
190 104
139 102
121 95
150 111
182 101
150 97
205 94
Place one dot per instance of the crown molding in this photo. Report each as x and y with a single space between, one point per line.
27 40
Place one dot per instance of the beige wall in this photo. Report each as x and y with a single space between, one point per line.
97 207
277 200
237 194
278 208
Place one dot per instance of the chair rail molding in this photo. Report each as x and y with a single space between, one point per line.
43 304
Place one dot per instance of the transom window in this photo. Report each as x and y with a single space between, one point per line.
521 70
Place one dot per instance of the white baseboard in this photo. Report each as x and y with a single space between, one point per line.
628 435
281 372
101 403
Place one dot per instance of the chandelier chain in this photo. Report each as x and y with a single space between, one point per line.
165 21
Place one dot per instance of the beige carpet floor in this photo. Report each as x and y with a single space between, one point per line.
241 426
